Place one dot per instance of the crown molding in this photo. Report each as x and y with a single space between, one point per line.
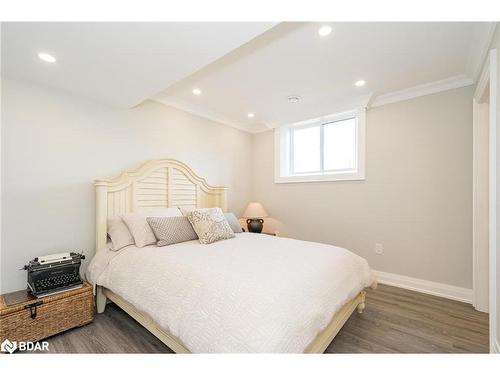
359 103
422 90
483 80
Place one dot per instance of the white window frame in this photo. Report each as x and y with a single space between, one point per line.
283 158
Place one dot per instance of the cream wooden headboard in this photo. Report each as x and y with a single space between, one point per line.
157 184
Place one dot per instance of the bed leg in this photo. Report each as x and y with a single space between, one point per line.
362 305
100 300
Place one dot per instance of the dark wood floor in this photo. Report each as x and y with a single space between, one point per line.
401 321
395 321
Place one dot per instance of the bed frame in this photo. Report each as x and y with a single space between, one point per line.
170 183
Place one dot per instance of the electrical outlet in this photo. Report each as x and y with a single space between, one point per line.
379 249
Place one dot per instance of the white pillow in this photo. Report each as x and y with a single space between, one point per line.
119 234
139 227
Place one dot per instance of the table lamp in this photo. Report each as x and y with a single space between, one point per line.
254 214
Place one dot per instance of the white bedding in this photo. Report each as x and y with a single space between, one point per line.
252 293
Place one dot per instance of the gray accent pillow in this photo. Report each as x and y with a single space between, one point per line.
171 230
233 222
210 225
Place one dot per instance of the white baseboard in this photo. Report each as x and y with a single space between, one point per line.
424 286
495 347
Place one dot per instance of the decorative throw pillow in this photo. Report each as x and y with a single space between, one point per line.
233 222
210 225
171 230
139 227
119 234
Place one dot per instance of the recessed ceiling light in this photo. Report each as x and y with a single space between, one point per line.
360 83
293 99
46 57
251 115
197 91
324 30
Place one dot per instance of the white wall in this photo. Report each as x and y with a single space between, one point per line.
416 199
54 145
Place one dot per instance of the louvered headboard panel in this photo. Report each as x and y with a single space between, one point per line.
157 184
152 191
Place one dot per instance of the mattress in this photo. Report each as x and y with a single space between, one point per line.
252 293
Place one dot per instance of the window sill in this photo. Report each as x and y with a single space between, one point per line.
319 178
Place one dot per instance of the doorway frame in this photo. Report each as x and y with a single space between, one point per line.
488 78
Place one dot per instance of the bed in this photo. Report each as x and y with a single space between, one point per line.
250 293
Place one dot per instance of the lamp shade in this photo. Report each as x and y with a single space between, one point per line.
254 210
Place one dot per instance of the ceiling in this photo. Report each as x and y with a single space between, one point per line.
292 59
121 64
247 67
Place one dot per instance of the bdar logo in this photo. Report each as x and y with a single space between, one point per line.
8 346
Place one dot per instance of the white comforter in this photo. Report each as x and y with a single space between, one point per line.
252 293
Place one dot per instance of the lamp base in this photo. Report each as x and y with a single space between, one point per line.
255 225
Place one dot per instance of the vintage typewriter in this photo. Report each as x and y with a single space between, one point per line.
54 273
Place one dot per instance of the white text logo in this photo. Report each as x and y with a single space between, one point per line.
8 346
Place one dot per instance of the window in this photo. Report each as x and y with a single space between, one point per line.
330 148
306 145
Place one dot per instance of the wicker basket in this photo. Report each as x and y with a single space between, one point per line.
36 319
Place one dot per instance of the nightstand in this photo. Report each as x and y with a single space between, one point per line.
24 317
